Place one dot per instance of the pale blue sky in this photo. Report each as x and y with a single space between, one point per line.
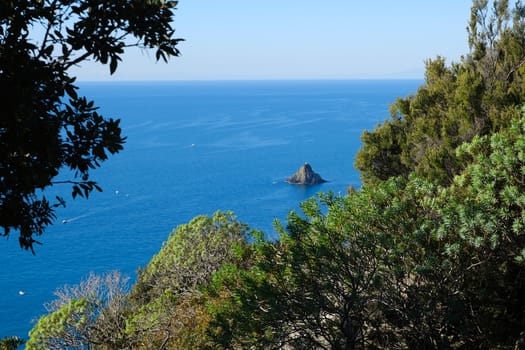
303 39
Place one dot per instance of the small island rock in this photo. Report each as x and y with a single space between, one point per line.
305 176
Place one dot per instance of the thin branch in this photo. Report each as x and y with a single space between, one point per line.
476 264
69 182
515 68
77 60
46 35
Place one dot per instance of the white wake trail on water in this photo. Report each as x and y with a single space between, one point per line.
104 209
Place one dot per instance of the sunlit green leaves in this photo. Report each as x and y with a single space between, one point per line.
183 285
51 331
477 96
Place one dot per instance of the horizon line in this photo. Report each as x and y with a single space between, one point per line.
247 80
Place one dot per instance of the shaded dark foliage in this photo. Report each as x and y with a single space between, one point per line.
45 126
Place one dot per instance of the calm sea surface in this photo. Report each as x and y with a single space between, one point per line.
193 148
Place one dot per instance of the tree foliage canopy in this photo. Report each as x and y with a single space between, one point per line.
46 126
477 96
177 277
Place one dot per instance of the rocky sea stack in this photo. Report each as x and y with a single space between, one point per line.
305 176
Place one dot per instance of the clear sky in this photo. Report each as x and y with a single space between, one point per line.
302 39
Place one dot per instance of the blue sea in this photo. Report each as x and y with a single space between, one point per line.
193 148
